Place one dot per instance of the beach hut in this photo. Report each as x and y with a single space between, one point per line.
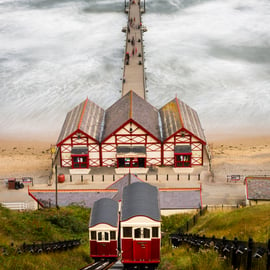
183 137
131 135
78 142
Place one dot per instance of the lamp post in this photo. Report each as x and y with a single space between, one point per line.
56 193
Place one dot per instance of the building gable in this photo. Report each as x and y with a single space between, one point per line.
177 116
87 117
131 107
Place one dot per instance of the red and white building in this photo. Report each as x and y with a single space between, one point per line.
131 135
183 137
78 141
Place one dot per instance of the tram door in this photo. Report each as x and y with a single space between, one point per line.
103 247
141 244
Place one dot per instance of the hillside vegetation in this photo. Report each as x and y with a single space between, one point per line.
241 223
47 225
72 223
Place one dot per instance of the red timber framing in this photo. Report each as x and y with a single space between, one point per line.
77 140
131 134
184 138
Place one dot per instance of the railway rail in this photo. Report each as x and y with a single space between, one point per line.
100 265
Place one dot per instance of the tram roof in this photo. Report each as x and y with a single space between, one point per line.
140 199
104 211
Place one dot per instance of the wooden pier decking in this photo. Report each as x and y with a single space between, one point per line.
133 71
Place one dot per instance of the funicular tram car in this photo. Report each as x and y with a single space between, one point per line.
103 230
140 227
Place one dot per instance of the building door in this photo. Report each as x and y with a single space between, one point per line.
131 162
182 160
80 161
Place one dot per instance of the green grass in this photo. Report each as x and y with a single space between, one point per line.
47 225
241 223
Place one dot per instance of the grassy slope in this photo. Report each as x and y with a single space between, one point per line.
242 223
47 226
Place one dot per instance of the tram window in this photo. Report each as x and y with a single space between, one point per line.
137 233
106 236
146 233
100 236
155 232
93 235
127 232
113 235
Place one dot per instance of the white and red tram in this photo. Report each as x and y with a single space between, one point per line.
103 230
140 226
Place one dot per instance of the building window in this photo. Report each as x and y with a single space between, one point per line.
182 160
131 162
79 161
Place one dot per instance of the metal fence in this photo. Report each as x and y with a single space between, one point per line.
41 247
241 255
151 178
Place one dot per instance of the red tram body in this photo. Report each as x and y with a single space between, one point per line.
140 227
103 230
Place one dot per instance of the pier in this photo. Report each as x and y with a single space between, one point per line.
133 70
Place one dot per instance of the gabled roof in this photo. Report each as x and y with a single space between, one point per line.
121 183
104 211
86 117
177 115
258 188
131 106
140 199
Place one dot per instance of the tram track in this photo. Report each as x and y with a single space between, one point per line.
100 265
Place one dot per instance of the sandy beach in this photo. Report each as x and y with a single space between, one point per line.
24 158
235 155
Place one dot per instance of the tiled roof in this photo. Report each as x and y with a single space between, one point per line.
104 211
87 117
180 199
86 199
176 115
168 198
140 199
258 188
131 106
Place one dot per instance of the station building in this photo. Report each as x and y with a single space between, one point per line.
183 136
78 142
132 133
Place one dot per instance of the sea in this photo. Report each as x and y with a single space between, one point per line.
212 54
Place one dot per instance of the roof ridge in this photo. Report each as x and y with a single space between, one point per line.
180 116
130 109
82 114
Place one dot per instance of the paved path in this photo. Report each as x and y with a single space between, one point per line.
133 74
